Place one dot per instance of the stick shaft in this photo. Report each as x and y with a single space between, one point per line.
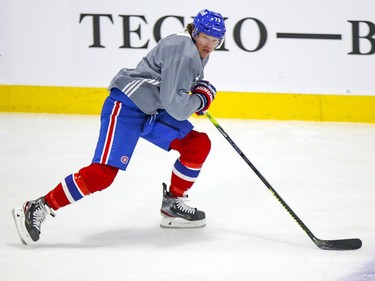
266 183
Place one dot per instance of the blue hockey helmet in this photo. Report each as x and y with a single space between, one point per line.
210 23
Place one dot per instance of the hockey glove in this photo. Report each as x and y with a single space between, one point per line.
206 92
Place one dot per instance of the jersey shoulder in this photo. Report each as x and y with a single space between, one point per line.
179 43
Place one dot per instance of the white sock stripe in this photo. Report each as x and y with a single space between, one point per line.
67 192
78 187
182 176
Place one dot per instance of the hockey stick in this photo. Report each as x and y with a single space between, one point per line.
342 244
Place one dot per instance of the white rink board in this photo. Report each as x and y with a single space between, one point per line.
50 46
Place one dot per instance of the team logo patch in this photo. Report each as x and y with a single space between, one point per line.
124 159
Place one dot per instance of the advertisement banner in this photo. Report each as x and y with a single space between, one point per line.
322 47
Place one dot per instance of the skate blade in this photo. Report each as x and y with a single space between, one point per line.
19 220
168 222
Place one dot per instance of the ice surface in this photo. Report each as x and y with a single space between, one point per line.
324 171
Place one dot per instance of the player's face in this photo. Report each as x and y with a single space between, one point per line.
206 44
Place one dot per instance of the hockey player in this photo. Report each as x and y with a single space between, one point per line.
153 102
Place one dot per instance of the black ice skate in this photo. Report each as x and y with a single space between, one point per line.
176 214
29 219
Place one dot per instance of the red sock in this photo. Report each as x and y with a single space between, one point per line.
193 149
183 177
74 187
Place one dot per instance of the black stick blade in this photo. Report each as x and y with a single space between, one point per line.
339 245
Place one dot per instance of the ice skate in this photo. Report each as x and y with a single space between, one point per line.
29 219
176 214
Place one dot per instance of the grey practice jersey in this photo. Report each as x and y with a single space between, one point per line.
162 80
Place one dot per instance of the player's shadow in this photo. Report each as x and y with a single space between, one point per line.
151 236
154 236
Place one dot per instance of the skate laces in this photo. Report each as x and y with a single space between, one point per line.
40 213
38 216
180 204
